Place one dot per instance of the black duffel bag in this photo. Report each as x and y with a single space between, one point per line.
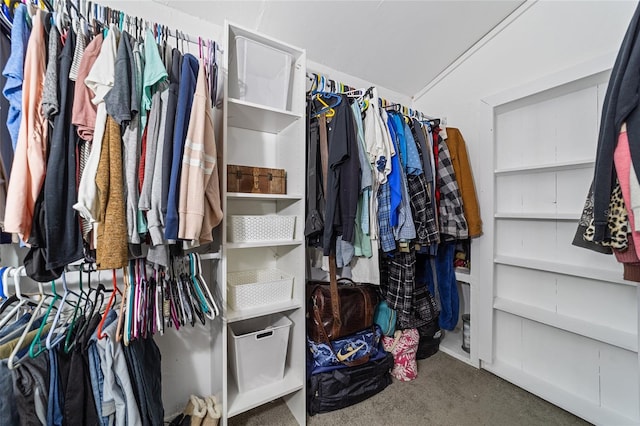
344 387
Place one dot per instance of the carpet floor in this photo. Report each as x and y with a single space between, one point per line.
447 392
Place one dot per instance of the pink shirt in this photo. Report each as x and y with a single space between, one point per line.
622 160
83 114
29 162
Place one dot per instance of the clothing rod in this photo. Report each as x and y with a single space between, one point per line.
315 77
102 17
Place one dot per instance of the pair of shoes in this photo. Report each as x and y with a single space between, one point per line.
203 412
214 412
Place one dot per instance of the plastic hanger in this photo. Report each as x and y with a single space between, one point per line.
100 334
20 298
69 342
65 301
17 274
36 347
214 310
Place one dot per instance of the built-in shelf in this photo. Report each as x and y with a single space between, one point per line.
592 411
452 345
264 244
464 277
258 311
602 333
540 168
211 256
239 402
538 216
565 269
264 197
261 118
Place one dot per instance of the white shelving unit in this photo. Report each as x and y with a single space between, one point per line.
555 319
263 136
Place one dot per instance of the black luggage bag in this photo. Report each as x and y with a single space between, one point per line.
430 336
344 387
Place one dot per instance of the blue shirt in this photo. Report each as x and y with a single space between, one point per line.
14 71
414 165
394 180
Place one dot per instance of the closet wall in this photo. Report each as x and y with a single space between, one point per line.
554 319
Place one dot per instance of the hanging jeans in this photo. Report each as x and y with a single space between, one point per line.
54 408
439 270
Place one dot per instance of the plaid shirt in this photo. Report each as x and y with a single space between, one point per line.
453 225
387 240
412 302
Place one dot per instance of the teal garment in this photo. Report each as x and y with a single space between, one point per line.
362 241
153 74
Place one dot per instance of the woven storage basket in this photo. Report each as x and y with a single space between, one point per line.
258 287
248 228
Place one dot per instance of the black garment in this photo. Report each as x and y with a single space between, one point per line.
172 105
31 382
343 180
79 405
314 223
620 105
62 226
35 262
143 362
6 149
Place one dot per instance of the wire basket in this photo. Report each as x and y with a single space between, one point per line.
258 287
249 228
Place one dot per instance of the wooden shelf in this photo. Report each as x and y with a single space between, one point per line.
541 168
247 115
565 269
239 402
258 311
266 197
264 244
602 333
538 216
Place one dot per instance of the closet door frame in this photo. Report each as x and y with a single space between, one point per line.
484 298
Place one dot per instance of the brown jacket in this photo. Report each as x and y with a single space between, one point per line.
111 250
464 176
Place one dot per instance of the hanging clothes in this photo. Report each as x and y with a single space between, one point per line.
198 215
61 231
462 169
29 163
188 76
14 72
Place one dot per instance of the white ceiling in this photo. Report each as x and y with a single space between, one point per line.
400 45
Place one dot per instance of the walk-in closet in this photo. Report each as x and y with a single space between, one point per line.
291 212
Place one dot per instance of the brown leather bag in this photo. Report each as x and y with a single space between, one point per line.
338 308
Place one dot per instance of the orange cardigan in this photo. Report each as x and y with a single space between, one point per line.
464 176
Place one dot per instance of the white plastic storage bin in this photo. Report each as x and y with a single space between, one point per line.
247 289
263 73
259 350
256 228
